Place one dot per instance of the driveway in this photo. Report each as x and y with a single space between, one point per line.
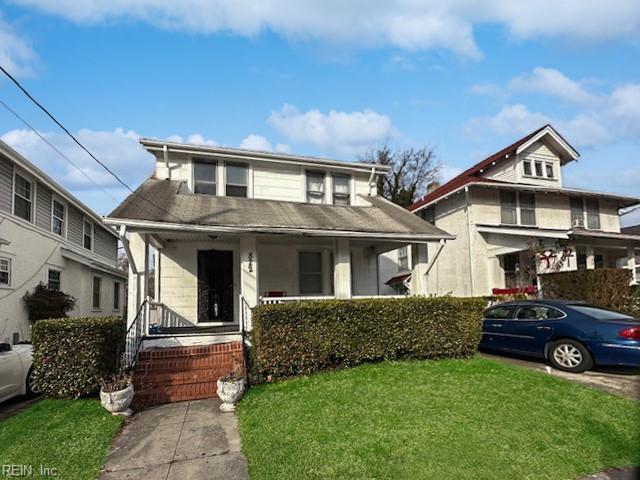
178 441
14 405
619 381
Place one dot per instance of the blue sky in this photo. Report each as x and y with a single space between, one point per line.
324 78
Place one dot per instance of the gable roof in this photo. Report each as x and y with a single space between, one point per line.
170 205
472 174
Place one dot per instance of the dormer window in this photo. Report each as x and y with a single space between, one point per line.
549 167
315 187
539 172
204 178
526 166
341 190
236 180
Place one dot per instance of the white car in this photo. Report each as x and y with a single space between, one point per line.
16 371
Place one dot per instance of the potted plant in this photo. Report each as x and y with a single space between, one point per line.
116 394
231 387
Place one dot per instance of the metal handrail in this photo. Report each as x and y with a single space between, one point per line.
134 336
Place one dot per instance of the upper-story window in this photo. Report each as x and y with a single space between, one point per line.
403 258
511 202
577 212
315 187
537 168
341 190
204 178
508 207
57 217
549 168
539 171
429 214
87 234
526 168
23 198
237 174
593 213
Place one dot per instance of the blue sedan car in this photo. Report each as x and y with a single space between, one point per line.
573 336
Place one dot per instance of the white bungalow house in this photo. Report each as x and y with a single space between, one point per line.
230 229
512 207
49 236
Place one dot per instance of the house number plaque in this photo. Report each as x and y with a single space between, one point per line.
250 266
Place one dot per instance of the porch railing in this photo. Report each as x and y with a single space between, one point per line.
161 316
134 336
277 300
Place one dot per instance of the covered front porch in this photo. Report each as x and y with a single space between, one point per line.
187 283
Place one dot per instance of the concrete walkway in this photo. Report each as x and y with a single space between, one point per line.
191 440
619 381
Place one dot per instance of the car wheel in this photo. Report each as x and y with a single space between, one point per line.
570 356
32 389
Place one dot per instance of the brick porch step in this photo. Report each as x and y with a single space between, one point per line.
175 374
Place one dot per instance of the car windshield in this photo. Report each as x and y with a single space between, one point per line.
600 313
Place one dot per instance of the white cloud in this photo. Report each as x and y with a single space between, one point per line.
256 142
511 119
343 132
15 53
194 139
410 25
400 62
447 172
550 81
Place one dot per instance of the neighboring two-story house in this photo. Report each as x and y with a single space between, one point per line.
47 235
513 220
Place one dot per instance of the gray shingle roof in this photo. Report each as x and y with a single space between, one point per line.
168 201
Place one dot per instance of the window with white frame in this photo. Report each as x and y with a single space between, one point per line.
23 197
97 287
87 234
577 212
237 174
53 279
517 208
508 207
205 178
116 295
310 273
549 169
341 189
526 167
315 187
57 217
593 213
403 258
539 170
5 271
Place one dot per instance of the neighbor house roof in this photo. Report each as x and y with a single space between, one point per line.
633 230
472 175
168 204
238 153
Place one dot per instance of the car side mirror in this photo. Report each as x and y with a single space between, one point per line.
5 347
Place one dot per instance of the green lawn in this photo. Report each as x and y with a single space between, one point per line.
72 436
448 419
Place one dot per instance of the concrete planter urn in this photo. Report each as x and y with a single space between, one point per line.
118 401
230 392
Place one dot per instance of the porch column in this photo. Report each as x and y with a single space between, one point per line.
591 259
631 263
342 269
249 288
327 281
419 263
136 286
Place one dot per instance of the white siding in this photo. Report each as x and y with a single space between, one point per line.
504 171
542 153
278 182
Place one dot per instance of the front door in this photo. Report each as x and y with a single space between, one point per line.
215 286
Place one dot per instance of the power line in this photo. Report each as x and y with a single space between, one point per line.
55 120
34 130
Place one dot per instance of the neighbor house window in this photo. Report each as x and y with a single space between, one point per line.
577 212
526 167
5 271
116 295
97 284
508 208
23 198
315 187
593 213
204 178
341 190
236 180
429 214
527 208
310 271
87 235
53 280
549 167
539 169
403 258
57 218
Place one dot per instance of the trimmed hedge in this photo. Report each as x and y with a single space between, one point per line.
71 355
607 287
305 337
